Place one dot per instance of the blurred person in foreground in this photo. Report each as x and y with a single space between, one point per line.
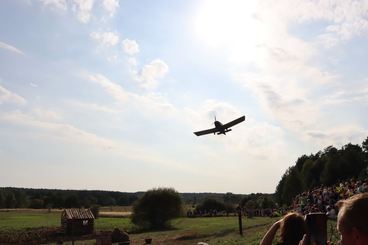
292 228
352 220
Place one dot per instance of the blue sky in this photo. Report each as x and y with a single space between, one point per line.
106 94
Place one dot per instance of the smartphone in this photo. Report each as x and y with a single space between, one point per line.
317 228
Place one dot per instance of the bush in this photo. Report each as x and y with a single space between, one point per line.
95 209
36 203
156 208
210 205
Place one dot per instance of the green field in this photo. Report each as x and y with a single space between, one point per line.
213 230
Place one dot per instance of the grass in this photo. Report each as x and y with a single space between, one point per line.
20 220
111 223
216 230
185 231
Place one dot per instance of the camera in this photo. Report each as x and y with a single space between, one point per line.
316 228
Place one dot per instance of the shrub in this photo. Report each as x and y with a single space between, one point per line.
156 207
95 209
210 205
36 203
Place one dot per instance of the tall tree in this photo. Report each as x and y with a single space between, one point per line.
2 199
279 189
10 201
307 175
352 160
156 208
364 172
300 162
22 200
293 186
365 145
330 173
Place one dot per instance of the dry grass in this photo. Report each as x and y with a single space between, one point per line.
115 214
116 209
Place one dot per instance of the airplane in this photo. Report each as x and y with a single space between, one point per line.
220 128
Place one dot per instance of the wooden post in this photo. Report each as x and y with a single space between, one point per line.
240 220
73 223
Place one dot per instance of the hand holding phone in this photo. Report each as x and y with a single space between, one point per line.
316 228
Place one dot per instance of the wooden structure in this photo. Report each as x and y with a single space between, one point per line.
77 221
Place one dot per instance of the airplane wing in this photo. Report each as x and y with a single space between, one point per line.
207 131
232 123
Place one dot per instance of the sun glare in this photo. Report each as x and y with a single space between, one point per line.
230 24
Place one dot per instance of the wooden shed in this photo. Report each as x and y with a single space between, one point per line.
77 221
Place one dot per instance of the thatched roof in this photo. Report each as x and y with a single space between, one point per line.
76 213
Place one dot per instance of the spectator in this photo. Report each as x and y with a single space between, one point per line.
318 199
331 213
352 220
292 228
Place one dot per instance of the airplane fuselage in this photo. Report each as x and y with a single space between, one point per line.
220 128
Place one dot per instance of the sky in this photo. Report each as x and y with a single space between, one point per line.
106 94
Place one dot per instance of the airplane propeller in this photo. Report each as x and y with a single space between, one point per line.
215 124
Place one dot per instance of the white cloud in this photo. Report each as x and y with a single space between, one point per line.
73 135
292 59
55 4
114 58
288 78
105 38
132 62
113 89
345 18
130 47
309 118
151 73
83 9
58 130
92 107
348 94
284 100
7 96
111 6
337 135
34 85
151 102
45 114
10 48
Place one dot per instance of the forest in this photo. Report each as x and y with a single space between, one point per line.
324 168
11 197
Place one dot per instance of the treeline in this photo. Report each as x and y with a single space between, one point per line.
52 198
48 198
230 202
198 198
327 167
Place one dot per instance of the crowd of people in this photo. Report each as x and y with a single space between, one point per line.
324 198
